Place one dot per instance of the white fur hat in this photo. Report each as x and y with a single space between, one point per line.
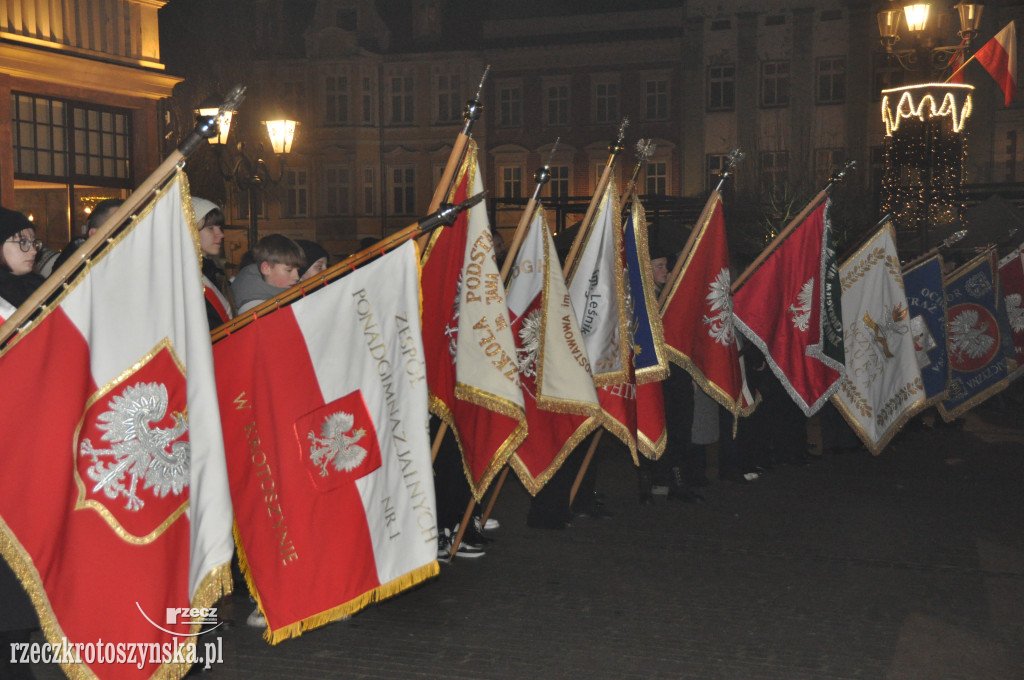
202 207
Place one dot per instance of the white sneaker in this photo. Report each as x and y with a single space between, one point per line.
490 525
444 546
256 619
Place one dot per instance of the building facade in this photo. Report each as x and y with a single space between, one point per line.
80 86
380 91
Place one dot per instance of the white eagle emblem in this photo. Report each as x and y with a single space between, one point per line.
801 311
452 328
720 305
529 344
1015 312
144 454
337 445
968 337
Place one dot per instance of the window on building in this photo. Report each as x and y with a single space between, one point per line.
606 102
775 83
1010 167
335 100
402 98
449 98
510 106
64 141
774 167
558 185
830 15
721 24
241 201
296 183
556 103
775 20
403 190
293 95
831 80
716 164
722 88
369 107
511 181
886 74
337 181
828 161
369 192
657 178
656 94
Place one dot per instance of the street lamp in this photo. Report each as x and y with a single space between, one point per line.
925 142
925 55
250 173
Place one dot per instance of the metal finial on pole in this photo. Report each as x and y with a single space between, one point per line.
617 147
840 175
644 150
543 174
474 106
735 156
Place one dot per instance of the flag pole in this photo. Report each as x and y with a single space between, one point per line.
952 239
471 113
445 216
734 157
960 68
614 149
542 176
793 224
206 128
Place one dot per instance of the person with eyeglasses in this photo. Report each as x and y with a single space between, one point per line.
18 278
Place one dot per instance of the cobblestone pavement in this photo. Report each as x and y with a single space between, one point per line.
908 565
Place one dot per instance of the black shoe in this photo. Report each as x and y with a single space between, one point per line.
593 511
685 496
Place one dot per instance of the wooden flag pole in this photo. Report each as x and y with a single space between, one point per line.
541 176
206 128
793 224
424 226
470 114
734 157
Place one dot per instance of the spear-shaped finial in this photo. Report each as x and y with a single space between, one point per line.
474 106
543 174
840 175
734 156
616 147
644 150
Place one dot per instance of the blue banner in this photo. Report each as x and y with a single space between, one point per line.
974 342
648 339
927 301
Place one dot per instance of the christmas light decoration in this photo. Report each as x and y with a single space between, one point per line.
956 104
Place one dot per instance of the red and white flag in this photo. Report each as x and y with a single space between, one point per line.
790 309
6 310
328 448
115 507
471 355
558 388
697 314
999 57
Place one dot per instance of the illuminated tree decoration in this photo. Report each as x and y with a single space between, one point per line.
925 158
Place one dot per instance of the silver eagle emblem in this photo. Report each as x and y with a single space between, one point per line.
138 452
336 445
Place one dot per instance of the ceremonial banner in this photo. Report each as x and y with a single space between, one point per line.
635 408
789 308
558 388
597 288
697 314
328 448
978 367
926 301
882 388
999 57
471 355
1011 283
115 507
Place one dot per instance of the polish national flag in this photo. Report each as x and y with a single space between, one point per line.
324 406
999 57
115 508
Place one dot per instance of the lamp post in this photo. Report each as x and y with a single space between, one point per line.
925 145
250 172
